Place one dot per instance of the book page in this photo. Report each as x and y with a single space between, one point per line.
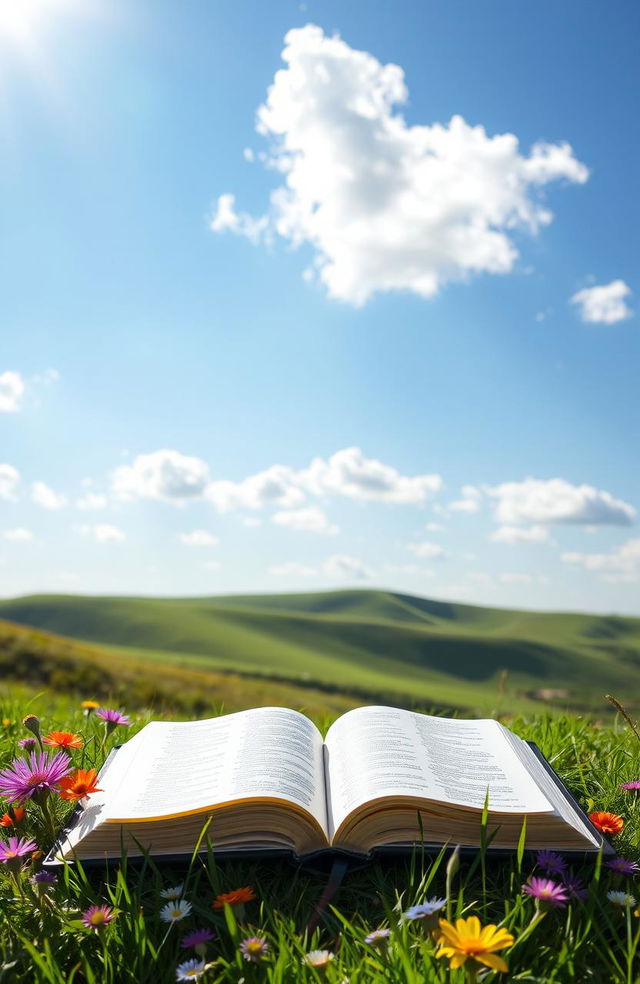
174 768
383 751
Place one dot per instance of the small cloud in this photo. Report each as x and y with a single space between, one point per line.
470 501
166 475
9 481
251 521
92 501
308 520
516 578
623 562
292 569
46 497
102 533
427 550
435 528
198 538
12 389
344 567
17 535
558 501
605 304
518 534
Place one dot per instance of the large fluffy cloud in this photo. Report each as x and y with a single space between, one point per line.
557 501
165 474
385 205
605 304
348 473
11 391
275 486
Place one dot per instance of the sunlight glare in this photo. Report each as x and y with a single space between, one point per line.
20 19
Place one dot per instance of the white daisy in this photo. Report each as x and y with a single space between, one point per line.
175 911
172 893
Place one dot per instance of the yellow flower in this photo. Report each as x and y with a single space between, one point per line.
468 939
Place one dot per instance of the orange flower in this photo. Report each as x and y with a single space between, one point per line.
11 819
63 739
607 823
238 897
81 783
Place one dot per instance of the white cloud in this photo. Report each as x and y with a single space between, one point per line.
17 535
92 501
292 569
167 475
605 304
516 578
519 534
309 520
435 528
43 495
623 561
343 567
427 550
9 481
252 522
198 538
557 501
470 501
348 473
384 205
11 391
102 533
275 486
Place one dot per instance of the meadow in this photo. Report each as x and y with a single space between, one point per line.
152 923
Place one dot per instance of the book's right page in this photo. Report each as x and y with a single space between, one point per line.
375 754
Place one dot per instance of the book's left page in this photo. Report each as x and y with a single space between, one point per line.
242 767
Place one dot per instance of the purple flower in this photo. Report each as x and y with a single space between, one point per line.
44 878
34 777
197 938
254 948
28 744
112 717
622 866
634 785
552 863
17 847
547 891
98 916
575 888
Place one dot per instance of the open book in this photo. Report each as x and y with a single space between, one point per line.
382 778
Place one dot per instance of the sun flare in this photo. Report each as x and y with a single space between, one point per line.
20 20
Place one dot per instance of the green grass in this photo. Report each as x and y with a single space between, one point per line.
367 645
43 940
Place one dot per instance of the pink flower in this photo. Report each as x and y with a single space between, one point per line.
17 847
34 777
546 891
98 916
112 717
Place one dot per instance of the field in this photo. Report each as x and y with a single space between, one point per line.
325 651
47 937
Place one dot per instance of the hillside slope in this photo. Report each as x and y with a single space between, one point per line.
374 643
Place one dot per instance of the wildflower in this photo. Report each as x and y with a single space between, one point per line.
426 913
32 723
28 744
112 718
254 948
545 891
63 739
172 893
235 899
44 878
196 938
622 899
607 823
552 863
320 959
89 706
469 940
378 938
175 911
98 916
13 851
622 866
34 778
82 783
190 970
6 722
13 817
575 888
633 786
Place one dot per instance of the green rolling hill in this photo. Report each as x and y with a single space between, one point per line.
352 645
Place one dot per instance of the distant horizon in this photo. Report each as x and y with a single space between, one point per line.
322 591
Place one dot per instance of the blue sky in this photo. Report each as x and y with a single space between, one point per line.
441 317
